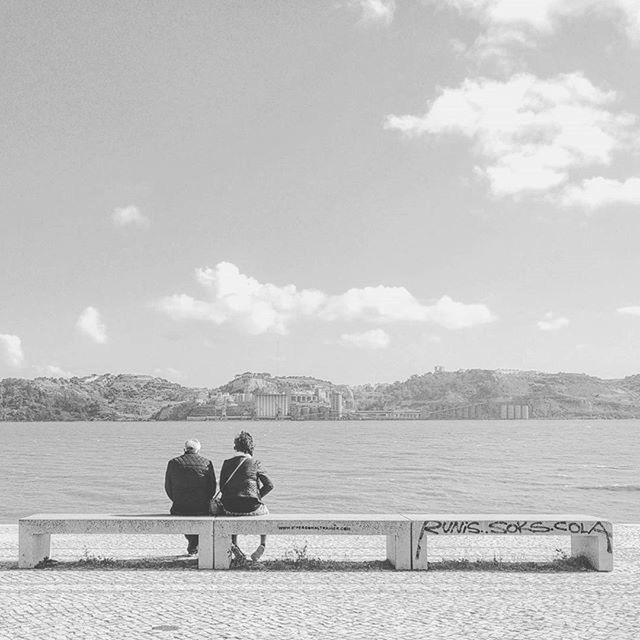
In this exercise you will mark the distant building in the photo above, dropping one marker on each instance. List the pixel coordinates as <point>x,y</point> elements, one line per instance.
<point>271,405</point>
<point>242,397</point>
<point>438,369</point>
<point>336,404</point>
<point>303,397</point>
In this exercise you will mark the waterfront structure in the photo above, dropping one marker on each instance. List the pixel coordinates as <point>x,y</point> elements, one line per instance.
<point>271,406</point>
<point>336,404</point>
<point>514,412</point>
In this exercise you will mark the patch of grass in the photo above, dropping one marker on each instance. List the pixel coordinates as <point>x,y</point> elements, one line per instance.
<point>561,563</point>
<point>46,562</point>
<point>314,564</point>
<point>90,561</point>
<point>298,559</point>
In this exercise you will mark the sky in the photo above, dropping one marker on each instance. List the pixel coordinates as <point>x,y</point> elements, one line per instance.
<point>357,190</point>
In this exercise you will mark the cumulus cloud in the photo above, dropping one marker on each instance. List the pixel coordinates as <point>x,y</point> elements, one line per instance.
<point>233,297</point>
<point>267,308</point>
<point>11,350</point>
<point>129,216</point>
<point>527,133</point>
<point>379,12</point>
<point>595,193</point>
<point>552,322</point>
<point>91,325</point>
<point>629,311</point>
<point>372,339</point>
<point>545,16</point>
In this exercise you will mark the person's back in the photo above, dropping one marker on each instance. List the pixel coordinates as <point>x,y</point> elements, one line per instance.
<point>244,483</point>
<point>190,483</point>
<point>243,489</point>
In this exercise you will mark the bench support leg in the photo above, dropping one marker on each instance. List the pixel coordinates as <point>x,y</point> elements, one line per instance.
<point>33,548</point>
<point>221,551</point>
<point>205,550</point>
<point>597,549</point>
<point>418,546</point>
<point>399,549</point>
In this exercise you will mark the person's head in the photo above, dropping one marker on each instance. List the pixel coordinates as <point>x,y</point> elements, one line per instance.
<point>243,443</point>
<point>192,446</point>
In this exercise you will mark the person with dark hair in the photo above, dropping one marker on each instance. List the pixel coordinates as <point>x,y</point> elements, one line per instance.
<point>190,483</point>
<point>244,483</point>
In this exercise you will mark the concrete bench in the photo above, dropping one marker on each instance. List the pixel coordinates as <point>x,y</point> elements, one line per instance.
<point>407,535</point>
<point>590,537</point>
<point>34,532</point>
<point>396,528</point>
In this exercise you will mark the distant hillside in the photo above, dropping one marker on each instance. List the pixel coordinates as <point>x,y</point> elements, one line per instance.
<point>139,397</point>
<point>549,395</point>
<point>98,397</point>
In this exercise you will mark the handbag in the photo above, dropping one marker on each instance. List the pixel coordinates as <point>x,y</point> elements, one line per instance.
<point>216,507</point>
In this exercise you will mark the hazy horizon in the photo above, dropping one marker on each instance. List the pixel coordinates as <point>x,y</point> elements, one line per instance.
<point>357,189</point>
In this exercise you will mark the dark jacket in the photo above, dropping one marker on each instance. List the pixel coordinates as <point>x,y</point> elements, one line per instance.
<point>190,483</point>
<point>243,493</point>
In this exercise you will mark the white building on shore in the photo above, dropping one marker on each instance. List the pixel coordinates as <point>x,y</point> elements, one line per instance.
<point>271,405</point>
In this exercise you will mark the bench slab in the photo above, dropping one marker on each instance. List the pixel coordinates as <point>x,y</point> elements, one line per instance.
<point>395,527</point>
<point>407,534</point>
<point>590,536</point>
<point>34,532</point>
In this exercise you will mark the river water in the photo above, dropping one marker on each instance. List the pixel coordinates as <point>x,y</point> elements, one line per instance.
<point>588,467</point>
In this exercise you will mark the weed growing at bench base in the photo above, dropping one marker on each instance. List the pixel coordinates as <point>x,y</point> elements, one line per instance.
<point>565,563</point>
<point>298,559</point>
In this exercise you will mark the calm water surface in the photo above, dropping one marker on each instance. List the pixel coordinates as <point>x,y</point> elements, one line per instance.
<point>588,467</point>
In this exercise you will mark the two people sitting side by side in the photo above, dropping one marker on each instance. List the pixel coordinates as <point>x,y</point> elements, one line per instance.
<point>243,483</point>
<point>190,483</point>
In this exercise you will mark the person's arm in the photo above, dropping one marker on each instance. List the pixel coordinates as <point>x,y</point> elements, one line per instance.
<point>167,481</point>
<point>211,477</point>
<point>265,482</point>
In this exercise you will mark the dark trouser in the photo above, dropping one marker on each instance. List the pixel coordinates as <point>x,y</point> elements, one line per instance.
<point>192,539</point>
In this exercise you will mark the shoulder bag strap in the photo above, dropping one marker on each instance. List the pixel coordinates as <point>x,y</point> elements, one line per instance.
<point>231,476</point>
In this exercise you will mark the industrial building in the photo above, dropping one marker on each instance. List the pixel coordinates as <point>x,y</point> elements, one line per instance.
<point>271,406</point>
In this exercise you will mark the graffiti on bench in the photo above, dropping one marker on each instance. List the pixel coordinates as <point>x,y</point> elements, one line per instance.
<point>474,527</point>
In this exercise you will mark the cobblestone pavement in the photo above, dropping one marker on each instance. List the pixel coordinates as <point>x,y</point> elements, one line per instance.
<point>174,600</point>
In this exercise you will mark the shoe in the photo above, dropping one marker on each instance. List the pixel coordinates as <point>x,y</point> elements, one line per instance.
<point>192,551</point>
<point>257,554</point>
<point>238,553</point>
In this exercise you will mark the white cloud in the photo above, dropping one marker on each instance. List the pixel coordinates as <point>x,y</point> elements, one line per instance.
<point>528,134</point>
<point>267,308</point>
<point>11,349</point>
<point>129,216</point>
<point>595,193</point>
<point>544,16</point>
<point>52,371</point>
<point>255,307</point>
<point>552,322</point>
<point>395,304</point>
<point>629,311</point>
<point>375,11</point>
<point>373,339</point>
<point>91,324</point>
<point>457,315</point>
